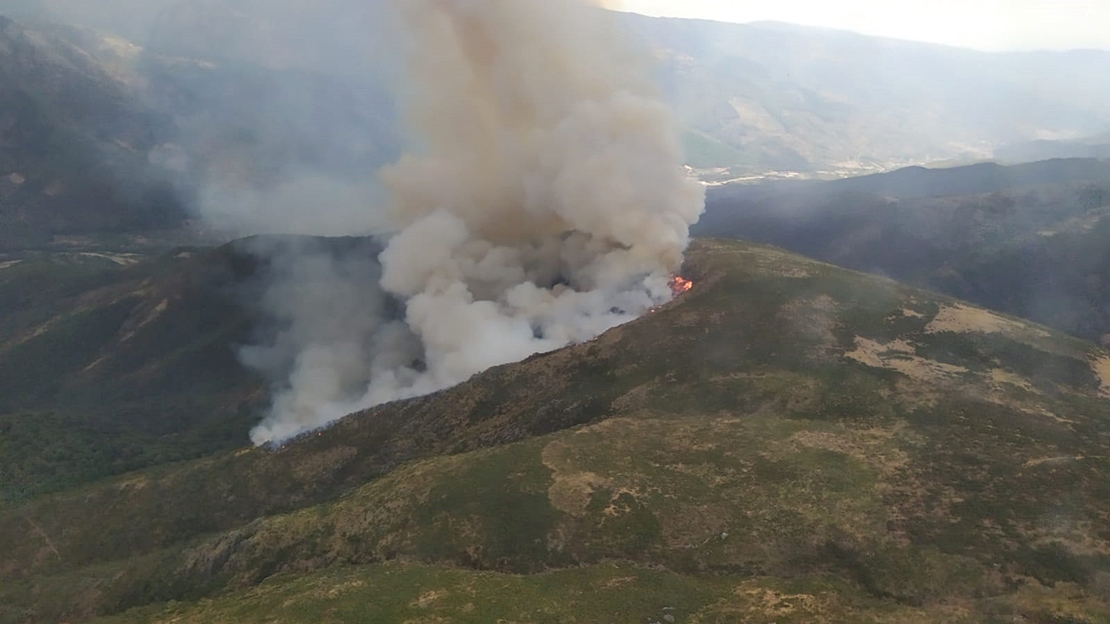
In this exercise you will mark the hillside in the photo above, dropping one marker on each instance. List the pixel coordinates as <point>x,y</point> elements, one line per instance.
<point>111,362</point>
<point>789,441</point>
<point>1030,240</point>
<point>100,137</point>
<point>73,143</point>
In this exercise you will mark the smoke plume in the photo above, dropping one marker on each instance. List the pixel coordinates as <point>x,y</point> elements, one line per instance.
<point>541,202</point>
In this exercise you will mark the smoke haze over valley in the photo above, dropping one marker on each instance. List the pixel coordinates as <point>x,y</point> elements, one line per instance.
<point>534,310</point>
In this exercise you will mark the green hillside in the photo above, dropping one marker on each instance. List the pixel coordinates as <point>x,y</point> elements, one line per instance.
<point>789,441</point>
<point>110,362</point>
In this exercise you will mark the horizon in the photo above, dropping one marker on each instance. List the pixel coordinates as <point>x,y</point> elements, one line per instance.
<point>989,26</point>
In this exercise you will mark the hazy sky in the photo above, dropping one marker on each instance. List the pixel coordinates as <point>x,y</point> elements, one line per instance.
<point>982,24</point>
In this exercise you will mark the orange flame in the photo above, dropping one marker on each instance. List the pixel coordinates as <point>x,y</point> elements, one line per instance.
<point>680,285</point>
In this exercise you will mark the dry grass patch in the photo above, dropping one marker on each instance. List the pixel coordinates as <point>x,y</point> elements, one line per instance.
<point>1101,366</point>
<point>1001,378</point>
<point>900,356</point>
<point>960,318</point>
<point>571,490</point>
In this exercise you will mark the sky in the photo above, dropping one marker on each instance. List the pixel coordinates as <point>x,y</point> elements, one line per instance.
<point>980,24</point>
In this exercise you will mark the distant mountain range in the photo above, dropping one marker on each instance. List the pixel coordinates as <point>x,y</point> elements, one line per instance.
<point>804,99</point>
<point>1097,146</point>
<point>73,142</point>
<point>754,98</point>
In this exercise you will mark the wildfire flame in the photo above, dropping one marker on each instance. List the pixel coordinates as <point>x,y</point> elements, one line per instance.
<point>680,285</point>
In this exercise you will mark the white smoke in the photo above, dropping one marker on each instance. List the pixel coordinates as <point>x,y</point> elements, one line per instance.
<point>543,203</point>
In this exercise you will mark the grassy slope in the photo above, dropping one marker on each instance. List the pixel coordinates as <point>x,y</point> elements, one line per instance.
<point>107,368</point>
<point>788,442</point>
<point>598,593</point>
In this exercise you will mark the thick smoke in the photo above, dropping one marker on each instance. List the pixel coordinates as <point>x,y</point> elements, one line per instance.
<point>542,202</point>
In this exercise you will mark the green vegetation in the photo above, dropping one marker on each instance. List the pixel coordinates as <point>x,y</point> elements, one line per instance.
<point>599,593</point>
<point>114,362</point>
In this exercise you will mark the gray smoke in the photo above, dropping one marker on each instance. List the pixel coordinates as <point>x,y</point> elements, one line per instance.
<point>542,201</point>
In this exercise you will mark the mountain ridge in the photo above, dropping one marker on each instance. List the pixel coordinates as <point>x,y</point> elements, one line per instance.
<point>1026,239</point>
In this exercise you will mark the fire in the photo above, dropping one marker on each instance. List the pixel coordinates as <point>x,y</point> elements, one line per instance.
<point>680,285</point>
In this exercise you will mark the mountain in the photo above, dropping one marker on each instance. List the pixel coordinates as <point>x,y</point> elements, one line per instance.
<point>791,98</point>
<point>754,98</point>
<point>332,37</point>
<point>788,441</point>
<point>1031,240</point>
<point>73,143</point>
<point>1087,147</point>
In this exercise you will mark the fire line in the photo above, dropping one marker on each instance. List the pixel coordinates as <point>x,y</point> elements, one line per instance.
<point>680,285</point>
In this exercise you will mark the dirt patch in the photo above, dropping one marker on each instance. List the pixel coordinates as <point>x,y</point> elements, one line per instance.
<point>427,599</point>
<point>1054,461</point>
<point>618,507</point>
<point>633,400</point>
<point>570,493</point>
<point>904,313</point>
<point>97,362</point>
<point>961,319</point>
<point>1101,367</point>
<point>616,582</point>
<point>120,259</point>
<point>334,591</point>
<point>571,489</point>
<point>900,356</point>
<point>150,317</point>
<point>773,604</point>
<point>795,273</point>
<point>1025,406</point>
<point>1000,377</point>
